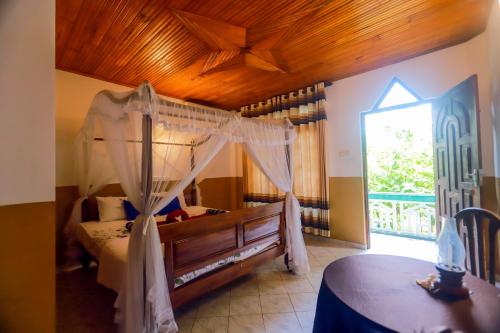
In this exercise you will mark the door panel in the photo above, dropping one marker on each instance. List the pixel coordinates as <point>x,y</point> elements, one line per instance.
<point>457,156</point>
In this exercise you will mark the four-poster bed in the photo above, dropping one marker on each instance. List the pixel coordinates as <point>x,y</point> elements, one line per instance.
<point>152,175</point>
<point>192,246</point>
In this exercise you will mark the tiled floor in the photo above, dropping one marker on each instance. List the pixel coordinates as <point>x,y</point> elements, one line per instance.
<point>268,300</point>
<point>401,246</point>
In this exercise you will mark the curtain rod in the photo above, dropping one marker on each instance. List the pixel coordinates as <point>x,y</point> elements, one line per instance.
<point>162,101</point>
<point>155,142</point>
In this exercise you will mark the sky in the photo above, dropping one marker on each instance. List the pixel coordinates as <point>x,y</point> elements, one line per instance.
<point>418,119</point>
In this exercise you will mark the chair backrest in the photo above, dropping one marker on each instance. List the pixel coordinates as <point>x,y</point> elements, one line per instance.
<point>471,224</point>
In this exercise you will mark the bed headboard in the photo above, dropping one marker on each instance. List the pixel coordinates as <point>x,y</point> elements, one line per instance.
<point>89,205</point>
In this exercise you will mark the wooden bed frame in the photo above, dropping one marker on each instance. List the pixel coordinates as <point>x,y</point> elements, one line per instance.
<point>193,244</point>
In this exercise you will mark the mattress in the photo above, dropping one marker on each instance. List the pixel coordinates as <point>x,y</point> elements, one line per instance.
<point>93,235</point>
<point>108,243</point>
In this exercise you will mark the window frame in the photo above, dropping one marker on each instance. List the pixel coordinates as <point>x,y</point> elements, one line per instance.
<point>387,89</point>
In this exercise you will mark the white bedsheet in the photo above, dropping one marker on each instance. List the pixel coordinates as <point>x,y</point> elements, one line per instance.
<point>94,234</point>
<point>108,243</point>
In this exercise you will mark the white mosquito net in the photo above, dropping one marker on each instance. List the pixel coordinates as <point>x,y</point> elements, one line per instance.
<point>155,148</point>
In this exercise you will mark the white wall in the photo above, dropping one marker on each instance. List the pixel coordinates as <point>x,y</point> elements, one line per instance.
<point>74,94</point>
<point>493,33</point>
<point>429,76</point>
<point>27,127</point>
<point>227,163</point>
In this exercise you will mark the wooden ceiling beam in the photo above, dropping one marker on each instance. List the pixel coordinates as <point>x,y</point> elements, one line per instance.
<point>217,34</point>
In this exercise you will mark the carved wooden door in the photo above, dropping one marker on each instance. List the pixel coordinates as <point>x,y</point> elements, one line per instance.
<point>457,155</point>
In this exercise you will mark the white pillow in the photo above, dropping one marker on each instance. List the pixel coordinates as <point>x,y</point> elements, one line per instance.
<point>111,208</point>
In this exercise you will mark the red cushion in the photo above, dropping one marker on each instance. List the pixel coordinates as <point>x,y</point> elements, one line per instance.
<point>172,216</point>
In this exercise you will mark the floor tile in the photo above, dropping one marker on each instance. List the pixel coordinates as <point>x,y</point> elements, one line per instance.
<point>276,303</point>
<point>184,324</point>
<point>298,286</point>
<point>327,260</point>
<point>245,288</point>
<point>213,307</point>
<point>187,311</point>
<point>280,264</point>
<point>315,283</point>
<point>211,325</point>
<point>224,291</point>
<point>269,275</point>
<point>244,305</point>
<point>306,320</point>
<point>269,299</point>
<point>271,287</point>
<point>89,328</point>
<point>304,301</point>
<point>316,267</point>
<point>266,267</point>
<point>246,324</point>
<point>415,248</point>
<point>281,323</point>
<point>290,276</point>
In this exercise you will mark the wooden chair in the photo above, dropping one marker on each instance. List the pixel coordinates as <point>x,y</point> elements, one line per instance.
<point>471,224</point>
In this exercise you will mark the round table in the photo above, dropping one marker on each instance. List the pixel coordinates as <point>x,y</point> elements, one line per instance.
<point>378,293</point>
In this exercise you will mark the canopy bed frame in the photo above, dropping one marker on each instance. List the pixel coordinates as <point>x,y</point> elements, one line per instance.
<point>155,148</point>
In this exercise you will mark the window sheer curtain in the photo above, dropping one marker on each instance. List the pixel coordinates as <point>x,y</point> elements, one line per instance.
<point>305,108</point>
<point>148,143</point>
<point>94,172</point>
<point>267,158</point>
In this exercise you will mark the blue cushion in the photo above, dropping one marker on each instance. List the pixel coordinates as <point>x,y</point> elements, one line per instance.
<point>130,210</point>
<point>132,213</point>
<point>172,206</point>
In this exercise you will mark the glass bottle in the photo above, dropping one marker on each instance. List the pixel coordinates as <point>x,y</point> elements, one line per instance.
<point>451,250</point>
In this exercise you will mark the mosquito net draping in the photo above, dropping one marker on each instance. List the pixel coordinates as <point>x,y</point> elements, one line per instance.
<point>155,148</point>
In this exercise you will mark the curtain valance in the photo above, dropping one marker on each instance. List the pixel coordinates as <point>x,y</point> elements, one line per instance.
<point>300,107</point>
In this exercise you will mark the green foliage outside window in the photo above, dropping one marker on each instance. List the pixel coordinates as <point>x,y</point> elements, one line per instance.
<point>405,166</point>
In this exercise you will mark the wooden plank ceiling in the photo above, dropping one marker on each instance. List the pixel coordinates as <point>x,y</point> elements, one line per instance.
<point>231,53</point>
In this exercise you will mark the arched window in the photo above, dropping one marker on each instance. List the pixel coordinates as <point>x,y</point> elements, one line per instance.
<point>396,94</point>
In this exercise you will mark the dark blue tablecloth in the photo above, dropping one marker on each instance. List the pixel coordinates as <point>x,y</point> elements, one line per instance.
<point>378,293</point>
<point>332,315</point>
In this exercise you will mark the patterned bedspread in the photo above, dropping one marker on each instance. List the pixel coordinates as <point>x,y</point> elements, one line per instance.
<point>108,242</point>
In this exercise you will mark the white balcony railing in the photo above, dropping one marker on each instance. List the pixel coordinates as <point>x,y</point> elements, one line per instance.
<point>403,214</point>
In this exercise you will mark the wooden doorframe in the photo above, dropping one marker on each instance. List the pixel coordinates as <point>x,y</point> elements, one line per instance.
<point>363,147</point>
